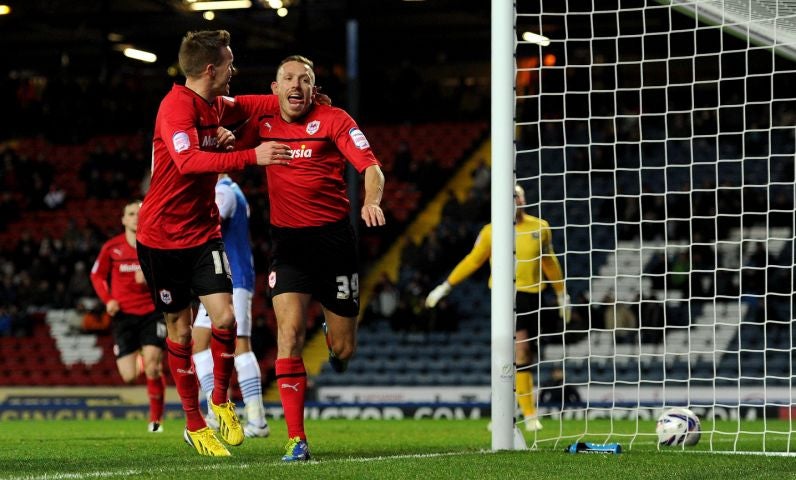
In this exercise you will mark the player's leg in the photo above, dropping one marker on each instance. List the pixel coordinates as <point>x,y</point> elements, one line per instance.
<point>126,347</point>
<point>168,274</point>
<point>152,335</point>
<point>155,386</point>
<point>341,338</point>
<point>524,381</point>
<point>178,345</point>
<point>525,338</point>
<point>203,360</point>
<point>249,375</point>
<point>212,283</point>
<point>222,346</point>
<point>337,288</point>
<point>128,367</point>
<point>291,377</point>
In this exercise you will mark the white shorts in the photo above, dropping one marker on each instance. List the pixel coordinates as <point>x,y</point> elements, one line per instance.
<point>242,302</point>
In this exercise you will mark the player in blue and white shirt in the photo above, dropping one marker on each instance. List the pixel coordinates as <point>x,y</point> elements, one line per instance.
<point>234,212</point>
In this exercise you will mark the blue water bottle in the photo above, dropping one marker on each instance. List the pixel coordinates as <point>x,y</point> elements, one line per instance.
<point>588,447</point>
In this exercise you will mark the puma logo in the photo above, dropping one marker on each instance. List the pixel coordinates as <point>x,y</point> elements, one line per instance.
<point>287,385</point>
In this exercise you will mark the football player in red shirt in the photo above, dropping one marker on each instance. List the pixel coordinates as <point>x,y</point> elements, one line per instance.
<point>139,332</point>
<point>179,235</point>
<point>315,249</point>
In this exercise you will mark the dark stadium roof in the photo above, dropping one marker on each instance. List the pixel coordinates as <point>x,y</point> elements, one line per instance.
<point>45,35</point>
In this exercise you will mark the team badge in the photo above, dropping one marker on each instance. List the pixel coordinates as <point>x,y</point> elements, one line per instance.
<point>180,141</point>
<point>535,235</point>
<point>272,279</point>
<point>313,126</point>
<point>165,296</point>
<point>359,138</point>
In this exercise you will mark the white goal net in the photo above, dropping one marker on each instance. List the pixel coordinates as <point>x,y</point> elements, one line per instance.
<point>657,139</point>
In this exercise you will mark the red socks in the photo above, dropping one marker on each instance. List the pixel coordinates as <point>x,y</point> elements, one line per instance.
<point>185,379</point>
<point>222,346</point>
<point>156,390</point>
<point>292,380</point>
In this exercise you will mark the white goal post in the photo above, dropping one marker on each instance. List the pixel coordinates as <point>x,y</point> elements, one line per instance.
<point>658,140</point>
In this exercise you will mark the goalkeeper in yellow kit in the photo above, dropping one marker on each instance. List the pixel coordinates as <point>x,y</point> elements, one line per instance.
<point>535,258</point>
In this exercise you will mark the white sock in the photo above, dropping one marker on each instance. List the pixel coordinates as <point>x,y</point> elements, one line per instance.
<point>203,363</point>
<point>250,380</point>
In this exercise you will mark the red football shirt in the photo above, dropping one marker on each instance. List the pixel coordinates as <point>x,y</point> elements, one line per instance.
<point>113,277</point>
<point>311,191</point>
<point>179,210</point>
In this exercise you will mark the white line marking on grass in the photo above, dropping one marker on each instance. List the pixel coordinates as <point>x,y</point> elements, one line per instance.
<point>241,466</point>
<point>759,454</point>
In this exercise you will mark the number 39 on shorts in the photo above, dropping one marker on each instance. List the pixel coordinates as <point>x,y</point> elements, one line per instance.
<point>347,286</point>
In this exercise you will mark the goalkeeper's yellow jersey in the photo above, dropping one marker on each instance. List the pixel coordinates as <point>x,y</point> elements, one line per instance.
<point>535,256</point>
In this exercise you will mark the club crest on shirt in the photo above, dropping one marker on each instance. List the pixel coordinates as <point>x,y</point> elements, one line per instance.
<point>165,296</point>
<point>536,235</point>
<point>313,126</point>
<point>359,138</point>
<point>181,141</point>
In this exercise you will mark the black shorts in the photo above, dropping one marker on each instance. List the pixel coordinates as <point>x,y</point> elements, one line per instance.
<point>177,277</point>
<point>321,261</point>
<point>131,332</point>
<point>528,313</point>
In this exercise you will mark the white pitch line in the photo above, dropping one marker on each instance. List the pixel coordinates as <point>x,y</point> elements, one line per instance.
<point>221,466</point>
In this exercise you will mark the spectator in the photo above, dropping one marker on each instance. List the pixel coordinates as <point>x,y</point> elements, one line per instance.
<point>385,300</point>
<point>55,197</point>
<point>620,318</point>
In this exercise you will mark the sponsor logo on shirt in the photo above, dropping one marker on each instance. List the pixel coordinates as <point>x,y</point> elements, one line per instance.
<point>313,126</point>
<point>181,142</point>
<point>129,267</point>
<point>302,152</point>
<point>272,279</point>
<point>268,124</point>
<point>208,141</point>
<point>359,138</point>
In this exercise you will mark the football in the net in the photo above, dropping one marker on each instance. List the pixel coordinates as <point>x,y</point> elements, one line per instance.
<point>678,426</point>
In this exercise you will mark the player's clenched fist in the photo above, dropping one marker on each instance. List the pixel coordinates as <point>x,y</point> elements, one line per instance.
<point>272,153</point>
<point>225,139</point>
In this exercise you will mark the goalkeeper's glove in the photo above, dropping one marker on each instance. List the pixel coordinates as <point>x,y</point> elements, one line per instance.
<point>564,308</point>
<point>436,295</point>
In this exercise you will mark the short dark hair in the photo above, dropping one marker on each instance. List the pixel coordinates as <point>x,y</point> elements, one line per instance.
<point>134,201</point>
<point>198,49</point>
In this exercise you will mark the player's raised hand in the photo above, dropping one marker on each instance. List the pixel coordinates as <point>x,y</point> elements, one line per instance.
<point>225,139</point>
<point>373,215</point>
<point>272,153</point>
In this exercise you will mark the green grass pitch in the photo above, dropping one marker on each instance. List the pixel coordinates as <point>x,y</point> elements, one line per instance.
<point>378,449</point>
